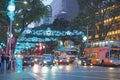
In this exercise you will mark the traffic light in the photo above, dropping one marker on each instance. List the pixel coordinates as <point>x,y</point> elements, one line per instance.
<point>40,47</point>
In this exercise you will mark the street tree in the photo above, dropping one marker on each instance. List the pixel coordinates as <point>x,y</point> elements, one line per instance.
<point>60,24</point>
<point>24,14</point>
<point>4,22</point>
<point>33,11</point>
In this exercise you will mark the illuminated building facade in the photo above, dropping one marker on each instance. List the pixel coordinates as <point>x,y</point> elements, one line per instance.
<point>110,12</point>
<point>113,20</point>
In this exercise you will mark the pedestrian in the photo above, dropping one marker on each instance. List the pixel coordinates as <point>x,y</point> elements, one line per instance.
<point>7,62</point>
<point>102,62</point>
<point>2,62</point>
<point>76,61</point>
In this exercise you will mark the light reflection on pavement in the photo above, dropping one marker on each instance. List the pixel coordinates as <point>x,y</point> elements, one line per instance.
<point>71,72</point>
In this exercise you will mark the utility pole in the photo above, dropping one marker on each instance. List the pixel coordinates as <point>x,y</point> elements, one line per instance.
<point>11,9</point>
<point>87,34</point>
<point>87,31</point>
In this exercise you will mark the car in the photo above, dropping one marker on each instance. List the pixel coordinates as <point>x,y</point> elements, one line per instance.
<point>63,60</point>
<point>48,60</point>
<point>84,61</point>
<point>72,59</point>
<point>38,60</point>
<point>28,60</point>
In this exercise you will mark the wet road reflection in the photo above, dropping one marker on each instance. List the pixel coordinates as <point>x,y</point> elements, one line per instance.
<point>71,72</point>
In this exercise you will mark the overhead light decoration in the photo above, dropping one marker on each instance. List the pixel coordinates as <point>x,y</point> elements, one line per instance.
<point>47,35</point>
<point>68,33</point>
<point>48,32</point>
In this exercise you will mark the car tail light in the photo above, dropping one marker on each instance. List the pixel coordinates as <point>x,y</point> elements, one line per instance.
<point>36,60</point>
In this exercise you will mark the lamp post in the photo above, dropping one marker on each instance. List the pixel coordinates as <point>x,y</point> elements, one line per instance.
<point>11,9</point>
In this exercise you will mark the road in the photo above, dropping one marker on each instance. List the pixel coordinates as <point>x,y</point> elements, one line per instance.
<point>72,72</point>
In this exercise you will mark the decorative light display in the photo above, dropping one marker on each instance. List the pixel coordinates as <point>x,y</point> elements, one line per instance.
<point>48,32</point>
<point>2,45</point>
<point>37,36</point>
<point>68,33</point>
<point>17,30</point>
<point>54,33</point>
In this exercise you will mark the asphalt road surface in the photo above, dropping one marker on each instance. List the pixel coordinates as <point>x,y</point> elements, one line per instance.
<point>73,72</point>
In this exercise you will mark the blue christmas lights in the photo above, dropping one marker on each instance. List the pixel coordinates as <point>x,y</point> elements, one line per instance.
<point>47,35</point>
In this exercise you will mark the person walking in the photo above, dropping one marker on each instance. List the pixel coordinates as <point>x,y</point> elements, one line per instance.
<point>0,62</point>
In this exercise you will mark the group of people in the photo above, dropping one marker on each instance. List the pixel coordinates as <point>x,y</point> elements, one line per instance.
<point>4,62</point>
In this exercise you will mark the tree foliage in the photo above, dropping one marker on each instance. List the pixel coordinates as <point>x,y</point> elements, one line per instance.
<point>61,24</point>
<point>24,14</point>
<point>31,12</point>
<point>4,21</point>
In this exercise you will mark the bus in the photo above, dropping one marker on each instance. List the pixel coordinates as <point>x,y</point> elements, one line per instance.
<point>103,52</point>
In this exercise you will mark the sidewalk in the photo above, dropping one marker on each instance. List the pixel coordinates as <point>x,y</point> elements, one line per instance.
<point>16,76</point>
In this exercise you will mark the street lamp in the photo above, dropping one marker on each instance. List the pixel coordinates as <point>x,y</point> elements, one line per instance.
<point>11,9</point>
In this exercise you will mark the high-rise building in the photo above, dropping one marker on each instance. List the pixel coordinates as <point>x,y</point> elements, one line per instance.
<point>66,9</point>
<point>108,21</point>
<point>112,19</point>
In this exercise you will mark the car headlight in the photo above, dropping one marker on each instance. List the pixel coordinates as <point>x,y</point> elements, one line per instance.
<point>45,61</point>
<point>91,64</point>
<point>67,60</point>
<point>85,64</point>
<point>35,60</point>
<point>111,61</point>
<point>60,60</point>
<point>25,61</point>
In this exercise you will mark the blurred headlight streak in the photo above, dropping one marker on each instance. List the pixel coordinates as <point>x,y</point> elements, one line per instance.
<point>36,68</point>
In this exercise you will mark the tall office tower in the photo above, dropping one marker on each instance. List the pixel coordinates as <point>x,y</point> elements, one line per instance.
<point>66,9</point>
